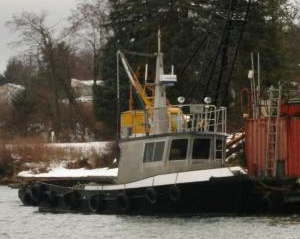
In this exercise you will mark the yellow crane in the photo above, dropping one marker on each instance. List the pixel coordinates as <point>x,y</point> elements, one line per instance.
<point>138,122</point>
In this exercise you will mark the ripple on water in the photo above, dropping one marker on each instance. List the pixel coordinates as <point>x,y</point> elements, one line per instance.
<point>18,222</point>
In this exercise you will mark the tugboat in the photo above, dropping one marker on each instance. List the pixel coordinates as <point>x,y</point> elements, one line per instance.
<point>171,161</point>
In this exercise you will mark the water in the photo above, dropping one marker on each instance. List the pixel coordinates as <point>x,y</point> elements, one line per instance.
<point>19,222</point>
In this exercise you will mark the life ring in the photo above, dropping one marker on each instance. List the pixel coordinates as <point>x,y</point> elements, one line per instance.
<point>51,198</point>
<point>151,195</point>
<point>174,193</point>
<point>72,200</point>
<point>95,203</point>
<point>124,202</point>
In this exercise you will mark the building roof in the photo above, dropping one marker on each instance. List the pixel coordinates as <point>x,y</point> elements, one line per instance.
<point>8,91</point>
<point>83,83</point>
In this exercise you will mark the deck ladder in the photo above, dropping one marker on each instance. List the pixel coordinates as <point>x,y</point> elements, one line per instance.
<point>272,131</point>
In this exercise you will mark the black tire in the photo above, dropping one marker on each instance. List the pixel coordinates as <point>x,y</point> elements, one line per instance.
<point>174,194</point>
<point>21,193</point>
<point>72,200</point>
<point>124,202</point>
<point>96,203</point>
<point>275,202</point>
<point>51,198</point>
<point>27,198</point>
<point>38,192</point>
<point>151,196</point>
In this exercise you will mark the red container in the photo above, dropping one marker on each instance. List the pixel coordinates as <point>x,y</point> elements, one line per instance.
<point>290,109</point>
<point>293,147</point>
<point>256,146</point>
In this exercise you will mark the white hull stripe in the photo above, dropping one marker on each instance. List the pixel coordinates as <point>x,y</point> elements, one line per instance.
<point>172,178</point>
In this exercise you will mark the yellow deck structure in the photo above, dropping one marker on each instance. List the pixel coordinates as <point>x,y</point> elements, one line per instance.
<point>138,122</point>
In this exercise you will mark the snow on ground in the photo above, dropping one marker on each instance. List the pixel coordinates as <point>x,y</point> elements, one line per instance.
<point>97,147</point>
<point>61,172</point>
<point>86,149</point>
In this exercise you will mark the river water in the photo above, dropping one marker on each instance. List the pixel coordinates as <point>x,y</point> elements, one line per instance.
<point>19,222</point>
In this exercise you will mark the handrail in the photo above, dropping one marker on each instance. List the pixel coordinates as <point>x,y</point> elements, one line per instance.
<point>183,118</point>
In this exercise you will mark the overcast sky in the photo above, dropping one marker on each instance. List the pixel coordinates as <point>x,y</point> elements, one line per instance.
<point>58,10</point>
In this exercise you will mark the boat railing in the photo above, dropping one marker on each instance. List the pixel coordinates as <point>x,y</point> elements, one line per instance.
<point>292,96</point>
<point>205,118</point>
<point>176,119</point>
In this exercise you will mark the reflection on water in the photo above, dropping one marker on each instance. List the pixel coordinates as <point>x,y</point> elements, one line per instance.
<point>18,222</point>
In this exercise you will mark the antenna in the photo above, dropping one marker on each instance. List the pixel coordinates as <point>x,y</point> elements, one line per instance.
<point>258,77</point>
<point>146,73</point>
<point>118,135</point>
<point>159,41</point>
<point>253,86</point>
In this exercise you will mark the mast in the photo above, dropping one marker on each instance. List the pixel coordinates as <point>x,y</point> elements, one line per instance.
<point>118,135</point>
<point>160,115</point>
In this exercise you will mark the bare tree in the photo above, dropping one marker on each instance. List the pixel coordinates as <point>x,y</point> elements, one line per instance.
<point>88,23</point>
<point>36,35</point>
<point>54,60</point>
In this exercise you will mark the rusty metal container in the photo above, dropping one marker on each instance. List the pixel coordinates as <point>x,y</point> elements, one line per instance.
<point>288,144</point>
<point>290,109</point>
<point>293,147</point>
<point>255,145</point>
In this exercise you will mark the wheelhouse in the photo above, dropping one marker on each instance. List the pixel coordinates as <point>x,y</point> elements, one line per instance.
<point>195,140</point>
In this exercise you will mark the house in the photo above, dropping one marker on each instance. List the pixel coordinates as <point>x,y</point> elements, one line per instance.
<point>8,91</point>
<point>84,89</point>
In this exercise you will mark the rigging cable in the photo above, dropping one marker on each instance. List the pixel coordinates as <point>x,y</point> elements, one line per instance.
<point>214,62</point>
<point>224,58</point>
<point>227,83</point>
<point>202,73</point>
<point>193,56</point>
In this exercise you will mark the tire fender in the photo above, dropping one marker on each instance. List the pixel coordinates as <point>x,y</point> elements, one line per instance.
<point>151,195</point>
<point>38,192</point>
<point>95,203</point>
<point>51,198</point>
<point>174,193</point>
<point>27,198</point>
<point>124,202</point>
<point>72,199</point>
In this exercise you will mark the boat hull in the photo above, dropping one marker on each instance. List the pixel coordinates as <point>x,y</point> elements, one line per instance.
<point>228,195</point>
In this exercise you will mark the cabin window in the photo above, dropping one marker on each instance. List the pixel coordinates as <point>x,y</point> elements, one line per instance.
<point>148,153</point>
<point>154,151</point>
<point>219,149</point>
<point>201,149</point>
<point>159,151</point>
<point>178,149</point>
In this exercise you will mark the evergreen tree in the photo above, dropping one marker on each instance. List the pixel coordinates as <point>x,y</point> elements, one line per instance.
<point>272,32</point>
<point>201,42</point>
<point>184,26</point>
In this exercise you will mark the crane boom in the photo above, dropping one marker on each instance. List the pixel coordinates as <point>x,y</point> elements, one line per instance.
<point>135,82</point>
